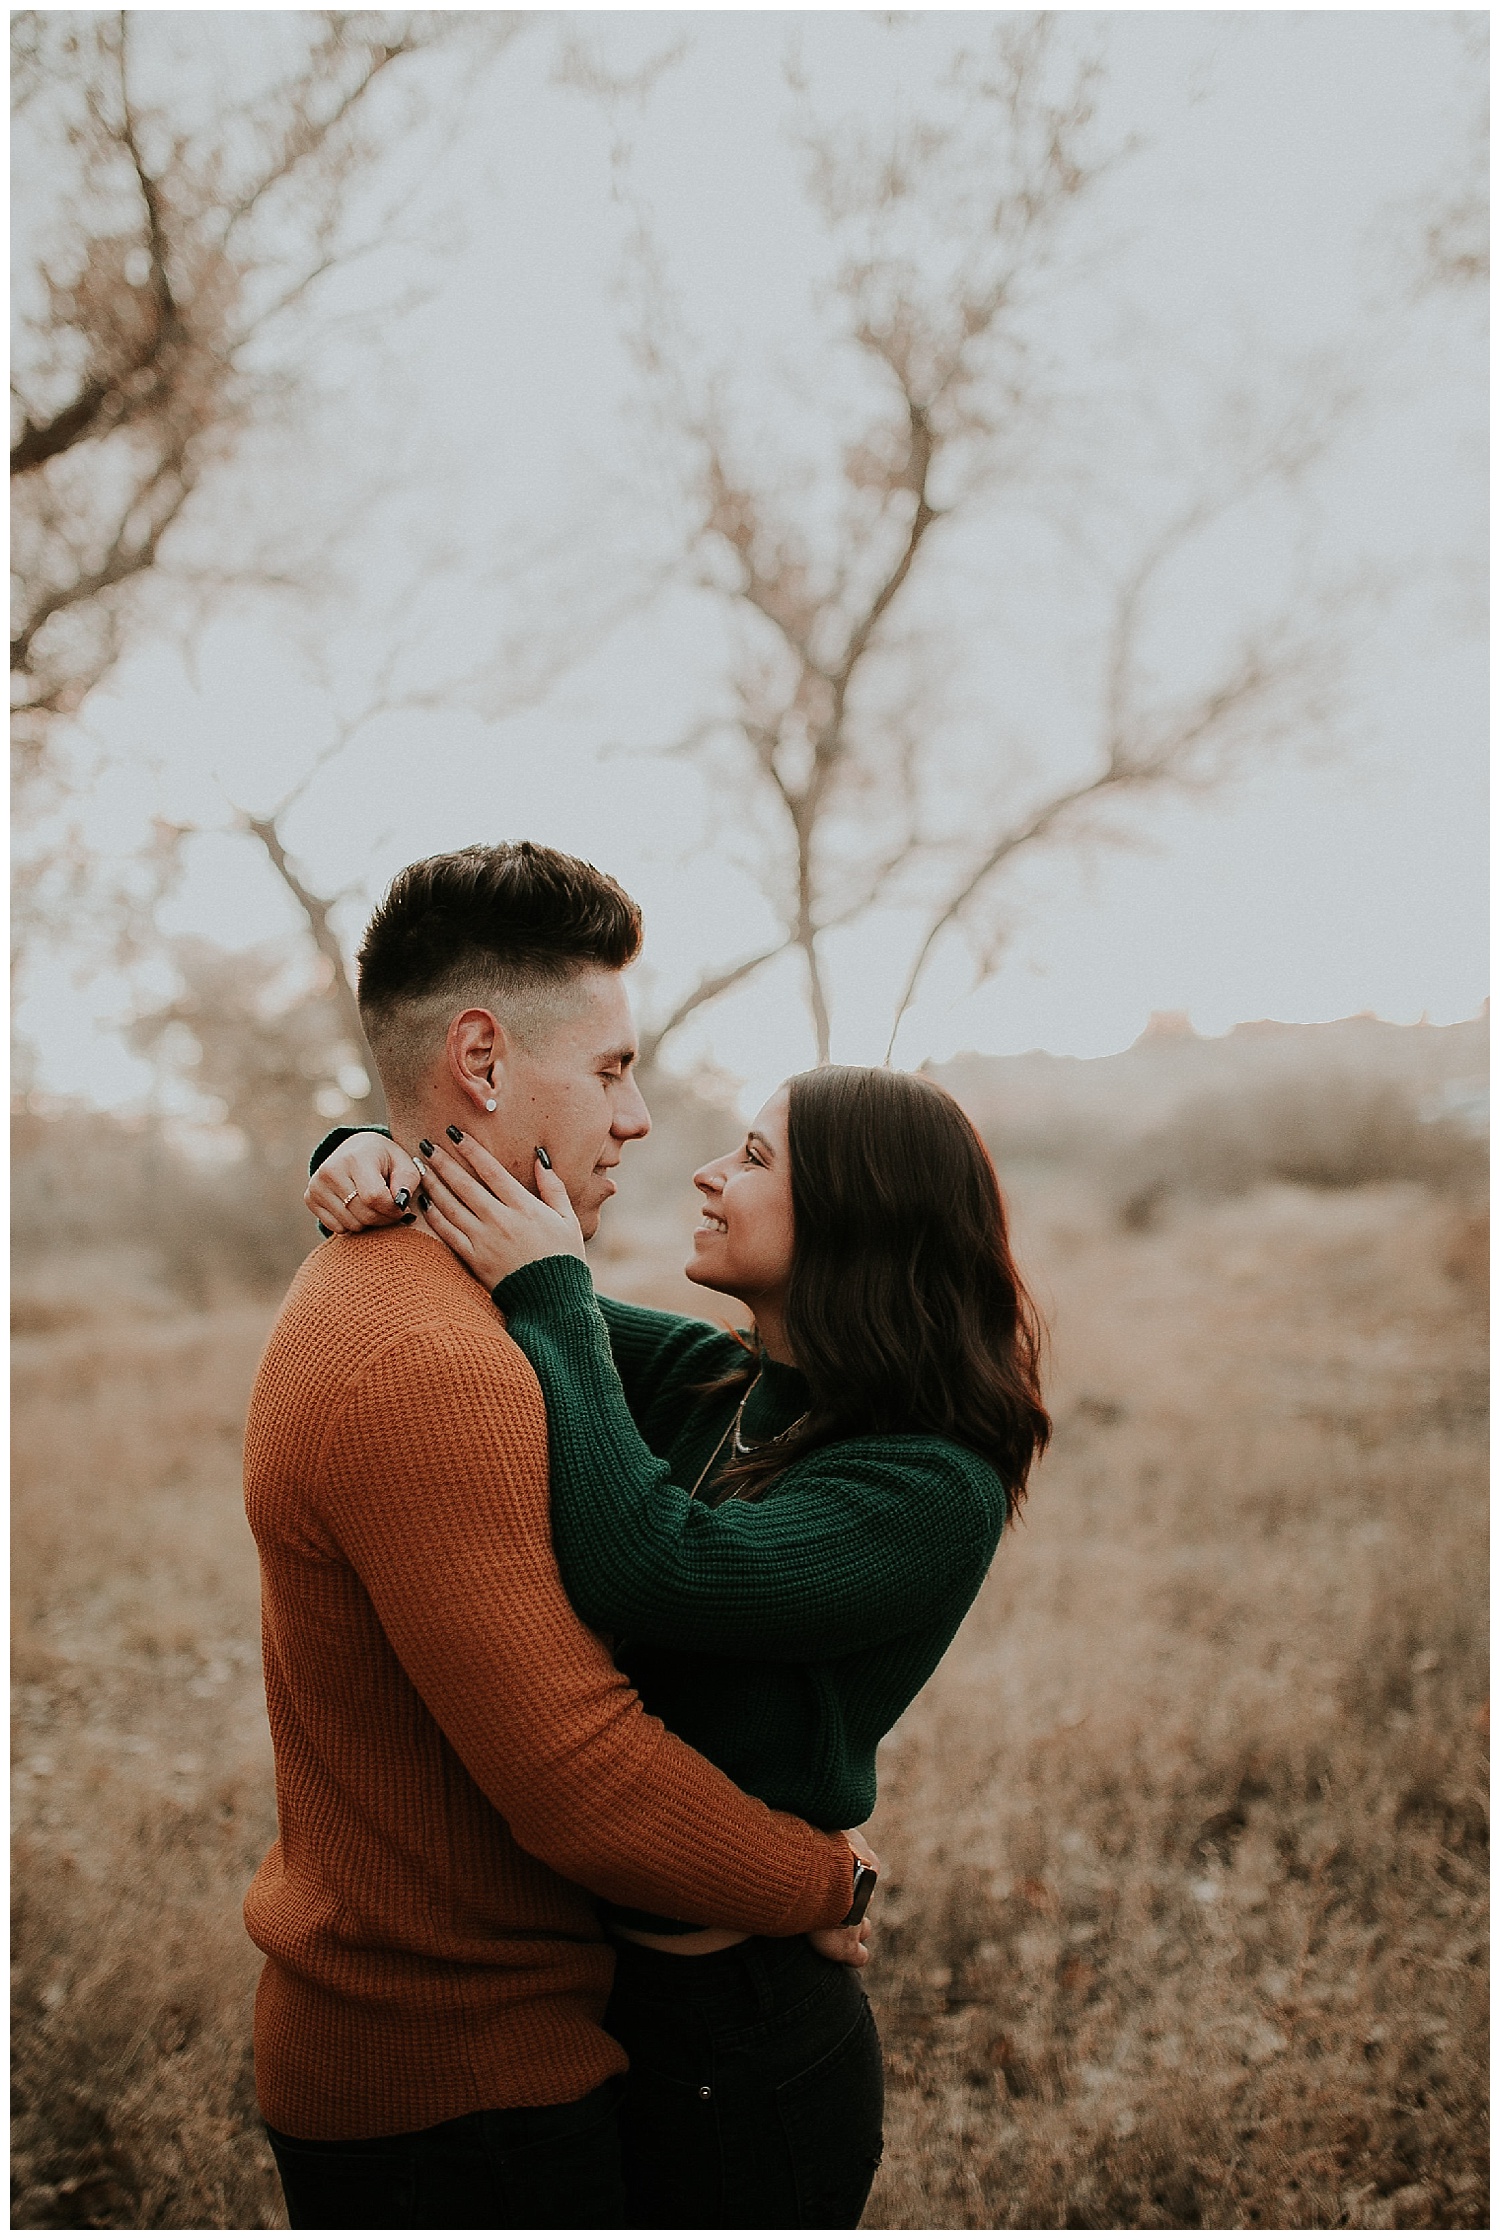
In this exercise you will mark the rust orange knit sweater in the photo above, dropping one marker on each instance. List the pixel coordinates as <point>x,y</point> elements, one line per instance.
<point>458,1762</point>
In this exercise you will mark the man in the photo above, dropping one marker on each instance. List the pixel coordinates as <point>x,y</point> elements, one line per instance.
<point>458,1762</point>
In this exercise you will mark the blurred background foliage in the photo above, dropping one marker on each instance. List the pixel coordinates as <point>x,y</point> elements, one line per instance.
<point>208,1203</point>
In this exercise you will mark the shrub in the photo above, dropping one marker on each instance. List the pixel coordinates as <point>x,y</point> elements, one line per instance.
<point>1325,1131</point>
<point>93,1185</point>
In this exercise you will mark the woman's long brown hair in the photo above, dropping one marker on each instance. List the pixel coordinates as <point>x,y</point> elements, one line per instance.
<point>905,1311</point>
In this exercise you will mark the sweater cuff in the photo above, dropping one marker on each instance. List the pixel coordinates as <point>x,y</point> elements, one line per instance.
<point>544,1287</point>
<point>336,1136</point>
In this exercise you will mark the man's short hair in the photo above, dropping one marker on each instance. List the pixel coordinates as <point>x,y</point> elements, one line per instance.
<point>505,928</point>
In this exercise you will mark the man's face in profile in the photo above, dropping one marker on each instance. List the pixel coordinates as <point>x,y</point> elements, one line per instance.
<point>571,1088</point>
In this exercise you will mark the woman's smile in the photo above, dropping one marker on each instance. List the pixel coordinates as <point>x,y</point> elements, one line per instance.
<point>754,1182</point>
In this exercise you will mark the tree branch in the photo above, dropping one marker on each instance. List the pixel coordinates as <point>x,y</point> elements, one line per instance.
<point>160,378</point>
<point>126,557</point>
<point>1150,764</point>
<point>713,985</point>
<point>42,440</point>
<point>317,913</point>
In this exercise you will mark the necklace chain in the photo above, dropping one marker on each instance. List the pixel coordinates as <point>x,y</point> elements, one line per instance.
<point>740,1447</point>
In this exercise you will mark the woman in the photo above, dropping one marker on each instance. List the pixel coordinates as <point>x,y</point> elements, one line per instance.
<point>783,1535</point>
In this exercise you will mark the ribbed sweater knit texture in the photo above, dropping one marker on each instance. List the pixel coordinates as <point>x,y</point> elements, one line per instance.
<point>783,1636</point>
<point>458,1760</point>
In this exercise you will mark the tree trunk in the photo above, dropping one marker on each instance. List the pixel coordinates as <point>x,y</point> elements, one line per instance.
<point>816,999</point>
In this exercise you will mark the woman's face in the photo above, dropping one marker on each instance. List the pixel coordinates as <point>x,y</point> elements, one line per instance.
<point>743,1241</point>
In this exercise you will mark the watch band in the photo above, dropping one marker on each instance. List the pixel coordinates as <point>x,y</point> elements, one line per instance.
<point>865,1879</point>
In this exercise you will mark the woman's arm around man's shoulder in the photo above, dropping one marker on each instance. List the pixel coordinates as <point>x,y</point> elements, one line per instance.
<point>664,1360</point>
<point>867,1537</point>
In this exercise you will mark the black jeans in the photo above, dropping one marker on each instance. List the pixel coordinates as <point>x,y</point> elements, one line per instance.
<point>755,2093</point>
<point>544,2168</point>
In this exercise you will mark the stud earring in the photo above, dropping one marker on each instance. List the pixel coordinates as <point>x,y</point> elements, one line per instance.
<point>489,1104</point>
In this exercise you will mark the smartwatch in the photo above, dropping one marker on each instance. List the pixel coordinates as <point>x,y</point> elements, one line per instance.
<point>865,1879</point>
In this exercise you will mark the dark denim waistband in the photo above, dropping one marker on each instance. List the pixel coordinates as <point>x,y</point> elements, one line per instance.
<point>738,1984</point>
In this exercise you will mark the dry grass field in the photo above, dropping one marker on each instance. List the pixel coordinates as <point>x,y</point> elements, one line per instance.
<point>1190,1829</point>
<point>1185,1914</point>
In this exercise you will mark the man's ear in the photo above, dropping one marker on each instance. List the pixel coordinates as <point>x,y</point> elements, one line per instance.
<point>478,1048</point>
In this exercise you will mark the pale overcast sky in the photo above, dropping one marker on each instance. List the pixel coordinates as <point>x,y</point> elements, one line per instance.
<point>1271,213</point>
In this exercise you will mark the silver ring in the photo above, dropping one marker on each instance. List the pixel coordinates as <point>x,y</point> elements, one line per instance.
<point>346,1202</point>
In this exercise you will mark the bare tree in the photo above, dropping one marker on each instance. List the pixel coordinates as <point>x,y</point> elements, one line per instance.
<point>954,235</point>
<point>174,233</point>
<point>172,246</point>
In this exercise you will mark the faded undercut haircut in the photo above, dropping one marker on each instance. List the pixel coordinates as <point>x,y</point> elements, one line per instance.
<point>503,928</point>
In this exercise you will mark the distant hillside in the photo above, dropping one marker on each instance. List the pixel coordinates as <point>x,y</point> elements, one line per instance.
<point>1040,1106</point>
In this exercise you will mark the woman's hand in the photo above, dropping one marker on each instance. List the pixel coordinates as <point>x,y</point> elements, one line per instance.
<point>495,1225</point>
<point>367,1183</point>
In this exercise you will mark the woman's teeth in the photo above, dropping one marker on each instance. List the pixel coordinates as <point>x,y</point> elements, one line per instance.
<point>710,1224</point>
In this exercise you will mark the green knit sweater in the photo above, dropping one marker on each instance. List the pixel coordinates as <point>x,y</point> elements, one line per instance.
<point>781,1637</point>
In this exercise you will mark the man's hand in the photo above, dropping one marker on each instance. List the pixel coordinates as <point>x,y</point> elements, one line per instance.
<point>851,1946</point>
<point>367,1183</point>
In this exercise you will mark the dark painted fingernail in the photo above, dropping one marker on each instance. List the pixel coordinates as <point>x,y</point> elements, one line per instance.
<point>425,1148</point>
<point>544,1160</point>
<point>423,1200</point>
<point>457,1134</point>
<point>403,1199</point>
<point>407,1219</point>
